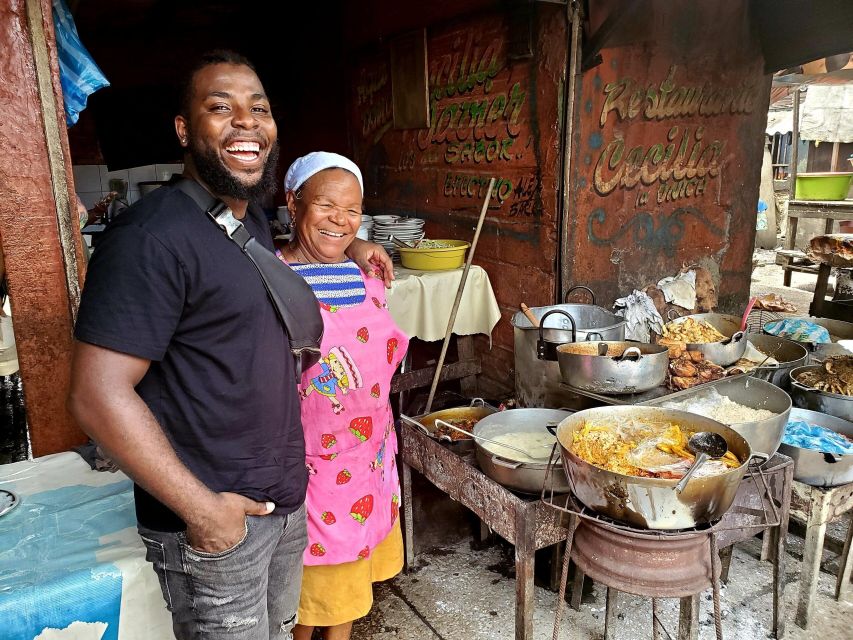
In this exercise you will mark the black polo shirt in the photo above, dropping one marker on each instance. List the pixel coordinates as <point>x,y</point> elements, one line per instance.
<point>167,285</point>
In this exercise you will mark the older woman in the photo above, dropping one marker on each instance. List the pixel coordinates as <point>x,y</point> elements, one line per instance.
<point>353,499</point>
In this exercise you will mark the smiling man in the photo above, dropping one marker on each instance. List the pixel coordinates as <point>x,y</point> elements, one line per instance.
<point>181,373</point>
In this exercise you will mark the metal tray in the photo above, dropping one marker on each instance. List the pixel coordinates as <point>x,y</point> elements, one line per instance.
<point>659,392</point>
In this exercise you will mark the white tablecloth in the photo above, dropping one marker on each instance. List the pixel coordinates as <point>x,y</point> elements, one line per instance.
<point>420,303</point>
<point>71,563</point>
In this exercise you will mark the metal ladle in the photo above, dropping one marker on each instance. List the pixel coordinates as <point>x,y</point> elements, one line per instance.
<point>476,437</point>
<point>703,445</point>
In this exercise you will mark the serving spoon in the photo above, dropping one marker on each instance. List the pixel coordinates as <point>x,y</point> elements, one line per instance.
<point>400,243</point>
<point>703,445</point>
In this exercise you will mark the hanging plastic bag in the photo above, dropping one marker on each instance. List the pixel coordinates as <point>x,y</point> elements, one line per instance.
<point>79,75</point>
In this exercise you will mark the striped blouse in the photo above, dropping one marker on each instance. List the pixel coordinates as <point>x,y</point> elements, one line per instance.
<point>339,284</point>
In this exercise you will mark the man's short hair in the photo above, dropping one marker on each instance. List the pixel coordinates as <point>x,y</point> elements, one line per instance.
<point>217,56</point>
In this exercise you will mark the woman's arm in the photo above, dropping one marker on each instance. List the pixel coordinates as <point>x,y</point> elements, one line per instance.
<point>372,259</point>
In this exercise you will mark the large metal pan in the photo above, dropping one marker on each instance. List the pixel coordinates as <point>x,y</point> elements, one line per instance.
<point>477,410</point>
<point>517,471</point>
<point>805,397</point>
<point>815,467</point>
<point>651,502</point>
<point>724,352</point>
<point>625,367</point>
<point>788,353</point>
<point>763,436</point>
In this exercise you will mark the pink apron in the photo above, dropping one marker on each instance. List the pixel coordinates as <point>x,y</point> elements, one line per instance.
<point>353,488</point>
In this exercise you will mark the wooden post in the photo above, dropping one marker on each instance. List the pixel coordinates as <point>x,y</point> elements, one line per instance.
<point>38,226</point>
<point>574,25</point>
<point>408,525</point>
<point>833,165</point>
<point>525,553</point>
<point>611,610</point>
<point>726,562</point>
<point>688,618</point>
<point>845,564</point>
<point>795,144</point>
<point>815,532</point>
<point>577,588</point>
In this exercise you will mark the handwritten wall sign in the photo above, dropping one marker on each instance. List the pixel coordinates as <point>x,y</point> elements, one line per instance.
<point>681,165</point>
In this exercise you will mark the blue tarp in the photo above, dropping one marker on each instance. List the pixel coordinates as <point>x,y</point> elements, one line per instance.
<point>78,73</point>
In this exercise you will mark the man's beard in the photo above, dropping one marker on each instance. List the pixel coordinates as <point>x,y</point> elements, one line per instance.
<point>222,181</point>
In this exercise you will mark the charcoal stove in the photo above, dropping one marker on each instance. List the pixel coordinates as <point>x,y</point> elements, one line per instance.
<point>674,564</point>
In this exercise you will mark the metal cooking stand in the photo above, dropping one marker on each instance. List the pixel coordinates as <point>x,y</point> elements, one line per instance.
<point>741,522</point>
<point>525,522</point>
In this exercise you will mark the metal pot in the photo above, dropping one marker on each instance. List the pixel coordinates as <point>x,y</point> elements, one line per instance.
<point>815,467</point>
<point>763,436</point>
<point>838,330</point>
<point>788,353</point>
<point>626,367</point>
<point>651,502</point>
<point>516,471</point>
<point>724,352</point>
<point>477,410</point>
<point>806,397</point>
<point>538,382</point>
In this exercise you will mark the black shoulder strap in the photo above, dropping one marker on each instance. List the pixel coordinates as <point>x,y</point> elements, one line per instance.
<point>289,293</point>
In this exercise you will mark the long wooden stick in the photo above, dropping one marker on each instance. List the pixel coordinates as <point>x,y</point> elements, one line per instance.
<point>458,300</point>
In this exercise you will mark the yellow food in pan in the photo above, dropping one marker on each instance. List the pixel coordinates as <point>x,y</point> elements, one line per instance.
<point>624,449</point>
<point>691,331</point>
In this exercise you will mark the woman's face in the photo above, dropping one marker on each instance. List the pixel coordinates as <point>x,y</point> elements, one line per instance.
<point>327,215</point>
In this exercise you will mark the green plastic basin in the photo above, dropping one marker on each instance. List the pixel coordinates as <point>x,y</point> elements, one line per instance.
<point>823,186</point>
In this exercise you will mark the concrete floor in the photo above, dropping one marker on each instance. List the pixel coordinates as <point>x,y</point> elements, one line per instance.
<point>461,591</point>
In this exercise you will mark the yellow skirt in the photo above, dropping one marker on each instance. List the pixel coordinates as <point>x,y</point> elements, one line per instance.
<point>337,593</point>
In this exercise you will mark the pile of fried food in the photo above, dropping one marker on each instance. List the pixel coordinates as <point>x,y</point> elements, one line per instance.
<point>690,368</point>
<point>836,376</point>
<point>690,331</point>
<point>640,449</point>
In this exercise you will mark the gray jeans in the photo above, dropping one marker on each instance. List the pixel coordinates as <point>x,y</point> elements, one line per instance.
<point>248,592</point>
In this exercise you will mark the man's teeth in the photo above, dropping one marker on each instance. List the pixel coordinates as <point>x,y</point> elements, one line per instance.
<point>244,146</point>
<point>331,234</point>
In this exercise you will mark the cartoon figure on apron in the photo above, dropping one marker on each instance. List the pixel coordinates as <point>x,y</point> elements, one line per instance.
<point>379,461</point>
<point>338,374</point>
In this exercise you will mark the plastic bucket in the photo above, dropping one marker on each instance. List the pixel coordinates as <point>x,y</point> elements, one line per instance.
<point>823,186</point>
<point>451,257</point>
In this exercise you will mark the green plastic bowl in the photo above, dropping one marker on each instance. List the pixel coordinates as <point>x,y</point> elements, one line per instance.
<point>823,186</point>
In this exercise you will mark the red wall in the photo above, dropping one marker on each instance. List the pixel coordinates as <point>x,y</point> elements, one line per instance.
<point>490,116</point>
<point>668,154</point>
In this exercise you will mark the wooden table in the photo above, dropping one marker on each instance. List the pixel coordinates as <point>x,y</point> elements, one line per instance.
<point>820,306</point>
<point>527,523</point>
<point>828,210</point>
<point>412,300</point>
<point>816,507</point>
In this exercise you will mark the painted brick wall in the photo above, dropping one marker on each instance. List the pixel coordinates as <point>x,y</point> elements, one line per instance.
<point>490,116</point>
<point>669,152</point>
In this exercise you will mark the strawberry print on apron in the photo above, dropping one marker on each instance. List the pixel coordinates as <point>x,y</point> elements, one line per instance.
<point>353,488</point>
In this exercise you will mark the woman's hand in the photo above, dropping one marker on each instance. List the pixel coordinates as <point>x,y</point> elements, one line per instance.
<point>372,259</point>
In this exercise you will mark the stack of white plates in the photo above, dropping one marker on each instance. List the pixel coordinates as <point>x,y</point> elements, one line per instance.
<point>365,231</point>
<point>406,229</point>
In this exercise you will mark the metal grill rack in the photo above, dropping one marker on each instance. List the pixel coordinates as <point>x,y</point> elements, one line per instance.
<point>762,504</point>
